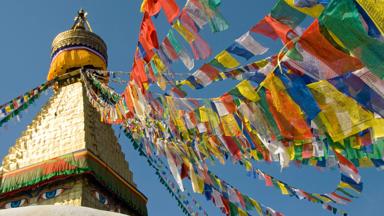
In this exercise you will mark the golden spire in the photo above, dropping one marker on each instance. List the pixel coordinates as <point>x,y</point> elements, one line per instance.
<point>76,48</point>
<point>81,21</point>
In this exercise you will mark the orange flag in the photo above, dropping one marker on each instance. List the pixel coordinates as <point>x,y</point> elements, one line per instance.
<point>152,7</point>
<point>148,35</point>
<point>170,9</point>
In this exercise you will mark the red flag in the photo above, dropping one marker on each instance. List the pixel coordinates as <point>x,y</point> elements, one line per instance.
<point>172,54</point>
<point>184,171</point>
<point>148,35</point>
<point>232,146</point>
<point>170,9</point>
<point>274,29</point>
<point>317,45</point>
<point>138,73</point>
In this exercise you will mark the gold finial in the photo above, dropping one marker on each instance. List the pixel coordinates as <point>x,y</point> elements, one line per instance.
<point>81,21</point>
<point>80,34</point>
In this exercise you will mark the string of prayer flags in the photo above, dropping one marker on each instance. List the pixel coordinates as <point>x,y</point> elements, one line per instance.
<point>229,124</point>
<point>16,106</point>
<point>308,104</point>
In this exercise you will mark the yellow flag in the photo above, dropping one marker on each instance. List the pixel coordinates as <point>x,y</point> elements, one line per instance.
<point>314,11</point>
<point>283,189</point>
<point>186,82</point>
<point>341,115</point>
<point>227,60</point>
<point>142,10</point>
<point>375,10</point>
<point>160,66</point>
<point>184,32</point>
<point>203,114</point>
<point>241,212</point>
<point>365,163</point>
<point>248,165</point>
<point>257,206</point>
<point>378,128</point>
<point>230,126</point>
<point>8,109</point>
<point>246,89</point>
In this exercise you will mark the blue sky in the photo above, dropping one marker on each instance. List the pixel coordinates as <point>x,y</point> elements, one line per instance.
<point>27,29</point>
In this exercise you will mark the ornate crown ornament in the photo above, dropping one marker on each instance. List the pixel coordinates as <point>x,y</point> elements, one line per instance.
<point>79,35</point>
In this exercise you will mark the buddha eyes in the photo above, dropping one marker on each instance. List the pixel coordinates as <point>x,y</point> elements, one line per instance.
<point>16,203</point>
<point>51,194</point>
<point>101,198</point>
<point>25,201</point>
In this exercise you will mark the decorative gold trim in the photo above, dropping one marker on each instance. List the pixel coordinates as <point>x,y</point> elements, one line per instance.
<point>79,37</point>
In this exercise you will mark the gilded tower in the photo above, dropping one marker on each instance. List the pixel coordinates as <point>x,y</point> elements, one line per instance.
<point>66,156</point>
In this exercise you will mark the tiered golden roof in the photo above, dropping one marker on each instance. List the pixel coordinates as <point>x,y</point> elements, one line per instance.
<point>76,48</point>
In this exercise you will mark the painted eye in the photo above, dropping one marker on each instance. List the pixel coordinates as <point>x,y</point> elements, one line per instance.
<point>16,203</point>
<point>52,194</point>
<point>102,199</point>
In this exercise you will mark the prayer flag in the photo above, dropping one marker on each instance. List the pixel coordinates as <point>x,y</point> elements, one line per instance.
<point>274,29</point>
<point>224,60</point>
<point>183,31</point>
<point>311,9</point>
<point>170,9</point>
<point>148,35</point>
<point>340,114</point>
<point>249,43</point>
<point>240,51</point>
<point>317,45</point>
<point>244,90</point>
<point>152,7</point>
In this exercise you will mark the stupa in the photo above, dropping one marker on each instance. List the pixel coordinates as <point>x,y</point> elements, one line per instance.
<point>66,156</point>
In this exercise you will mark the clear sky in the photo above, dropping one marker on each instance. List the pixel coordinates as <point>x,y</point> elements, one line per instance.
<point>27,29</point>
